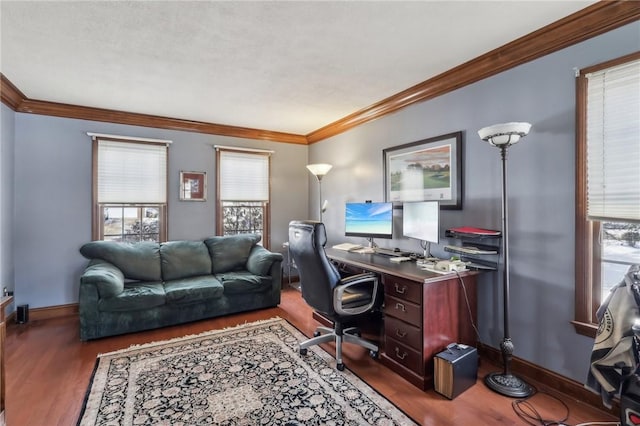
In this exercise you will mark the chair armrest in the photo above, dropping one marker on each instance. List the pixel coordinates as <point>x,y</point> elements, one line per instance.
<point>354,284</point>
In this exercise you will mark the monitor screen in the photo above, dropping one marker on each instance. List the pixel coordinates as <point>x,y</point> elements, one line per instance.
<point>421,220</point>
<point>370,220</point>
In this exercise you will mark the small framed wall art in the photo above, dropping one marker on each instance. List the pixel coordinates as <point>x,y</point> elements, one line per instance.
<point>193,186</point>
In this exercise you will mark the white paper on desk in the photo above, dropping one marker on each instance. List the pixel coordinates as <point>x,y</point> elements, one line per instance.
<point>364,250</point>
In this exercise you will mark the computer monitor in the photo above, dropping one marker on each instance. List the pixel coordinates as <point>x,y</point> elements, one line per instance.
<point>421,221</point>
<point>369,220</point>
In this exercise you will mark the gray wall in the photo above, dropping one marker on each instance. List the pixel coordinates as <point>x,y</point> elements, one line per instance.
<point>541,190</point>
<point>7,143</point>
<point>53,197</point>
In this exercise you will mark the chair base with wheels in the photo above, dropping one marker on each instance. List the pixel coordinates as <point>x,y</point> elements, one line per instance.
<point>339,335</point>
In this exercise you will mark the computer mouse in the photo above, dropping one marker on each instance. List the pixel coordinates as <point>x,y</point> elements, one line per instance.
<point>396,249</point>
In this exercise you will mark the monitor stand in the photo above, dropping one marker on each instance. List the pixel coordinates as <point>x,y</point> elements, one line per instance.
<point>371,248</point>
<point>426,249</point>
<point>372,245</point>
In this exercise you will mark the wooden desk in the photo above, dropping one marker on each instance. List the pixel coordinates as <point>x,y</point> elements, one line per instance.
<point>423,312</point>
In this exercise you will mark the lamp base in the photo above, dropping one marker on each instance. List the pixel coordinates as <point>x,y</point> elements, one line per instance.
<point>508,385</point>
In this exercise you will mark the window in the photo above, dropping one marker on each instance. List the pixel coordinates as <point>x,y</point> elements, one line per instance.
<point>243,192</point>
<point>129,189</point>
<point>607,182</point>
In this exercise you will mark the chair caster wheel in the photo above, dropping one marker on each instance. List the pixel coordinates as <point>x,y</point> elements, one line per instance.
<point>303,351</point>
<point>374,354</point>
<point>340,367</point>
<point>316,333</point>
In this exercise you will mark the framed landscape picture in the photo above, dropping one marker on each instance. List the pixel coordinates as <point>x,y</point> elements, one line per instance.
<point>193,186</point>
<point>426,170</point>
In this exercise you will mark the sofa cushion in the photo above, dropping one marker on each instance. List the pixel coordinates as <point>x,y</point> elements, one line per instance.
<point>243,282</point>
<point>105,276</point>
<point>136,296</point>
<point>137,261</point>
<point>261,259</point>
<point>194,289</point>
<point>230,253</point>
<point>183,259</point>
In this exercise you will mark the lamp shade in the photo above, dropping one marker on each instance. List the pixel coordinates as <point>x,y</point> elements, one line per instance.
<point>505,133</point>
<point>320,169</point>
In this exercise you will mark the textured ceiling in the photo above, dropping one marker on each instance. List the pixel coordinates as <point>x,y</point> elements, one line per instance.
<point>290,66</point>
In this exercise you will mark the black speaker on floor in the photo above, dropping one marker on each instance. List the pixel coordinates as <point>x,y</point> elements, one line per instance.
<point>22,315</point>
<point>455,370</point>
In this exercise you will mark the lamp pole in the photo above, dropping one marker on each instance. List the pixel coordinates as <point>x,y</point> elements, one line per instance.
<point>507,345</point>
<point>503,136</point>
<point>320,195</point>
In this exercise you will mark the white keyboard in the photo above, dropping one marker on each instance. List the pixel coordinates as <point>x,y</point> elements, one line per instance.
<point>398,259</point>
<point>347,247</point>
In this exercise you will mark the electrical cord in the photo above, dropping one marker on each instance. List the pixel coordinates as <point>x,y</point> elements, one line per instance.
<point>527,412</point>
<point>466,298</point>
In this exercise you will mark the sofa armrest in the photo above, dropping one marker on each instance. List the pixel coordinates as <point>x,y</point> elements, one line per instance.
<point>106,277</point>
<point>260,260</point>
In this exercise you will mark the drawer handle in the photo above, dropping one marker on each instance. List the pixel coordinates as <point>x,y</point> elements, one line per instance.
<point>400,307</point>
<point>400,334</point>
<point>399,290</point>
<point>404,354</point>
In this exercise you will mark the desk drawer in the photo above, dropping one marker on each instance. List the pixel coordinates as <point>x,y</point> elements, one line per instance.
<point>403,289</point>
<point>404,355</point>
<point>404,333</point>
<point>403,310</point>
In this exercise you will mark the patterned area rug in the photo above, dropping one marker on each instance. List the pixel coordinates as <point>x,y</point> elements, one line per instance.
<point>246,375</point>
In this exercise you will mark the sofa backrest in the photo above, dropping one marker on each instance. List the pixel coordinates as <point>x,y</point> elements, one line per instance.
<point>137,261</point>
<point>184,259</point>
<point>150,261</point>
<point>230,253</point>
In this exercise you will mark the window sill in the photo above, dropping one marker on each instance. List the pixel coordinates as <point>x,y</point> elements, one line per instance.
<point>586,329</point>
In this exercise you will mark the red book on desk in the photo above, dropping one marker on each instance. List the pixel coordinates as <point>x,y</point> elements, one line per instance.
<point>475,231</point>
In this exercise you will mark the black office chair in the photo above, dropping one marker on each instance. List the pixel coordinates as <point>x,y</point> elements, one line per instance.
<point>338,299</point>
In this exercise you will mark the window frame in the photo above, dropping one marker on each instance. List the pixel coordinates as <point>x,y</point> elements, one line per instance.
<point>266,205</point>
<point>588,255</point>
<point>97,213</point>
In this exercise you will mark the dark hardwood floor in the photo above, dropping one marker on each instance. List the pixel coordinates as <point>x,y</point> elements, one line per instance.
<point>48,370</point>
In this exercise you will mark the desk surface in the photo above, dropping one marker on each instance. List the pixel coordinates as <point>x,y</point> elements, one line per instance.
<point>382,264</point>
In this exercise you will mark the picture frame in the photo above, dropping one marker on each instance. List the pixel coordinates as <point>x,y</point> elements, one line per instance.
<point>425,170</point>
<point>193,186</point>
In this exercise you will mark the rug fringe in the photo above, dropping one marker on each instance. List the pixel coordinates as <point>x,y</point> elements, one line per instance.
<point>191,336</point>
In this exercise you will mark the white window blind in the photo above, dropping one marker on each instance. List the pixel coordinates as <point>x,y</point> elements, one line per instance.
<point>613,143</point>
<point>132,173</point>
<point>244,176</point>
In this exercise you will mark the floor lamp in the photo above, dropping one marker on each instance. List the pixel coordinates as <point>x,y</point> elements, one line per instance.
<point>319,170</point>
<point>503,136</point>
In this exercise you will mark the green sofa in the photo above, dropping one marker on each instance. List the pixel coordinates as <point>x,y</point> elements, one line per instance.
<point>128,287</point>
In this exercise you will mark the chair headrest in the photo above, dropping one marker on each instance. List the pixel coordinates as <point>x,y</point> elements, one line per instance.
<point>314,228</point>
